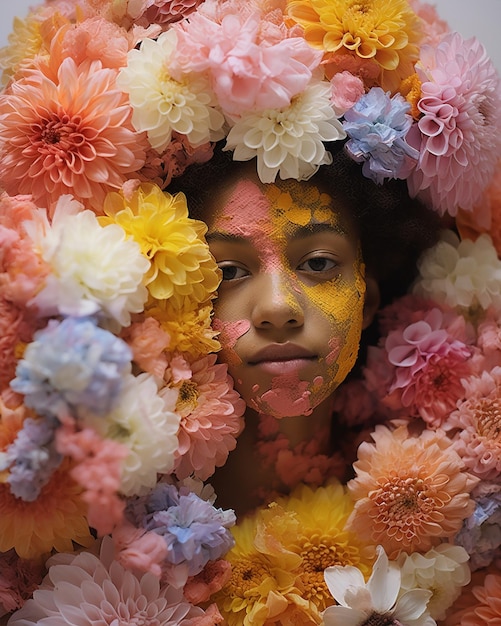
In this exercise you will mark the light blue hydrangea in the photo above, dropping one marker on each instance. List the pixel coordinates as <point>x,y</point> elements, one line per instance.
<point>377,126</point>
<point>195,531</point>
<point>31,458</point>
<point>481,532</point>
<point>72,366</point>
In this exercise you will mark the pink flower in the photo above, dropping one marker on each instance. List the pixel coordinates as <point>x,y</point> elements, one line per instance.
<point>478,420</point>
<point>460,127</point>
<point>435,27</point>
<point>247,74</point>
<point>18,579</point>
<point>139,549</point>
<point>165,12</point>
<point>211,419</point>
<point>211,579</point>
<point>148,342</point>
<point>70,135</point>
<point>346,90</point>
<point>354,403</point>
<point>430,357</point>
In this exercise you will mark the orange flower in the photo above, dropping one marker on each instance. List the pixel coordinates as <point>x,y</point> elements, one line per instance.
<point>410,492</point>
<point>483,602</point>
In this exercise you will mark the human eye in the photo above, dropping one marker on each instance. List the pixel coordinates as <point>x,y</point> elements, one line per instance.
<point>319,263</point>
<point>232,271</point>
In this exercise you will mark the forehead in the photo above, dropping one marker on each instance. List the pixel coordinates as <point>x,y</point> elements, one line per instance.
<point>286,208</point>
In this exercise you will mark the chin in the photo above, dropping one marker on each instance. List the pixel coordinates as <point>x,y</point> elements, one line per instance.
<point>283,402</point>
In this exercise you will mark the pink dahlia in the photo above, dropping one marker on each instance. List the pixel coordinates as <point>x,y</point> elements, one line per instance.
<point>478,420</point>
<point>211,419</point>
<point>430,358</point>
<point>70,135</point>
<point>84,589</point>
<point>460,126</point>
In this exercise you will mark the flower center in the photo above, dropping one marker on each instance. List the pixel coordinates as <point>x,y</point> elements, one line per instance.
<point>246,576</point>
<point>488,416</point>
<point>381,619</point>
<point>188,397</point>
<point>61,135</point>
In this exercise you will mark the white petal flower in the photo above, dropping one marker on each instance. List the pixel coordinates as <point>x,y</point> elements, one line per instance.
<point>142,423</point>
<point>95,269</point>
<point>377,601</point>
<point>443,570</point>
<point>288,141</point>
<point>161,103</point>
<point>461,274</point>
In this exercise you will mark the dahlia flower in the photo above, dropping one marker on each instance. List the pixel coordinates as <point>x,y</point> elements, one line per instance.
<point>464,274</point>
<point>460,125</point>
<point>163,12</point>
<point>443,570</point>
<point>141,422</point>
<point>385,31</point>
<point>377,126</point>
<point>288,141</point>
<point>375,601</point>
<point>211,419</point>
<point>249,70</point>
<point>95,269</point>
<point>72,366</point>
<point>180,263</point>
<point>484,607</point>
<point>162,103</point>
<point>85,588</point>
<point>410,492</point>
<point>68,135</point>
<point>25,42</point>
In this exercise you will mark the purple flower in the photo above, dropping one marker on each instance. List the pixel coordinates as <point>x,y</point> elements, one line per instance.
<point>377,126</point>
<point>72,366</point>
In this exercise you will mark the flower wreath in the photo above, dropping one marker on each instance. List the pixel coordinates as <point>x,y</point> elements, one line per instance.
<point>113,409</point>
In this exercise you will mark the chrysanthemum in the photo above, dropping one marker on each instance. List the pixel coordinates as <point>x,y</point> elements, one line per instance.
<point>162,103</point>
<point>461,274</point>
<point>288,141</point>
<point>97,589</point>
<point>410,492</point>
<point>478,423</point>
<point>55,519</point>
<point>460,123</point>
<point>375,602</point>
<point>68,135</point>
<point>211,412</point>
<point>443,570</point>
<point>181,265</point>
<point>25,42</point>
<point>95,269</point>
<point>386,31</point>
<point>484,607</point>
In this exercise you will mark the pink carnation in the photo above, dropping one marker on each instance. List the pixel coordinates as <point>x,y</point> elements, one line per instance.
<point>247,74</point>
<point>70,135</point>
<point>165,12</point>
<point>478,419</point>
<point>460,126</point>
<point>148,342</point>
<point>346,90</point>
<point>211,419</point>
<point>211,579</point>
<point>139,549</point>
<point>430,357</point>
<point>435,27</point>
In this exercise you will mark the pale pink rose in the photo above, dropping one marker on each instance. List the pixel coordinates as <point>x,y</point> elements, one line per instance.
<point>346,90</point>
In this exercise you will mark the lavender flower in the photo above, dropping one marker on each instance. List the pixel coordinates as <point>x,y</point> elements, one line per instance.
<point>377,126</point>
<point>31,458</point>
<point>72,366</point>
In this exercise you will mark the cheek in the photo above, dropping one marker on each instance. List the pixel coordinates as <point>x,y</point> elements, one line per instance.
<point>229,334</point>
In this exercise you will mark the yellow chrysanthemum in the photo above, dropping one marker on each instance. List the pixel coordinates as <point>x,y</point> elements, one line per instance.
<point>188,327</point>
<point>181,264</point>
<point>25,42</point>
<point>385,31</point>
<point>54,520</point>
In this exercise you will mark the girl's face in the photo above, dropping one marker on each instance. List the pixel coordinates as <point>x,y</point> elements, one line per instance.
<point>290,308</point>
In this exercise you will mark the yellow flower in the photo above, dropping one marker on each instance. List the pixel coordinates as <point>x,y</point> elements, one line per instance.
<point>385,31</point>
<point>181,264</point>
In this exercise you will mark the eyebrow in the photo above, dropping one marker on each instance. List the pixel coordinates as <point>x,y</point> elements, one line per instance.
<point>299,232</point>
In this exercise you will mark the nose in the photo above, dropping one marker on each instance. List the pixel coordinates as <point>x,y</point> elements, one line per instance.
<point>276,303</point>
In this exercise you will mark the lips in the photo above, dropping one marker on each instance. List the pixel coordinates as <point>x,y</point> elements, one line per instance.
<point>281,358</point>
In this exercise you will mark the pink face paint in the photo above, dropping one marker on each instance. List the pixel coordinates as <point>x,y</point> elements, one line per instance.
<point>229,334</point>
<point>288,397</point>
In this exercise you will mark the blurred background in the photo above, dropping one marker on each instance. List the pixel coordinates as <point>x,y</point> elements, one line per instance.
<point>481,18</point>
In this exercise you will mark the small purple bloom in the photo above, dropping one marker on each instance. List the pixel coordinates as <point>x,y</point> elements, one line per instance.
<point>377,126</point>
<point>72,366</point>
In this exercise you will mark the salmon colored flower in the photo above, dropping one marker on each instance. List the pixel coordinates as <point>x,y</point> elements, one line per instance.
<point>410,492</point>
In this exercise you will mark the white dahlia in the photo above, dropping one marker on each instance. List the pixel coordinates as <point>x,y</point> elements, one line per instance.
<point>288,141</point>
<point>163,103</point>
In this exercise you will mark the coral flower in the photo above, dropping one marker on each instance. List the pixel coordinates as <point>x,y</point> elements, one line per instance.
<point>68,135</point>
<point>484,607</point>
<point>387,31</point>
<point>410,492</point>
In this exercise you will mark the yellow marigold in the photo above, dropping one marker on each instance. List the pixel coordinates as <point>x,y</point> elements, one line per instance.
<point>188,327</point>
<point>386,31</point>
<point>181,264</point>
<point>411,90</point>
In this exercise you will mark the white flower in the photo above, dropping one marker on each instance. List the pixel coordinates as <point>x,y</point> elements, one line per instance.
<point>94,268</point>
<point>288,141</point>
<point>161,103</point>
<point>443,570</point>
<point>461,274</point>
<point>141,422</point>
<point>375,602</point>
